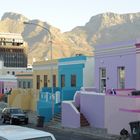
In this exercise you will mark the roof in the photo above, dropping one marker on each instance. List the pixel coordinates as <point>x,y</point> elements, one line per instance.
<point>10,35</point>
<point>74,58</point>
<point>8,77</point>
<point>117,44</point>
<point>13,132</point>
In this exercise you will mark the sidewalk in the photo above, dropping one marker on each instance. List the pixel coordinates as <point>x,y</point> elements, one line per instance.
<point>95,132</point>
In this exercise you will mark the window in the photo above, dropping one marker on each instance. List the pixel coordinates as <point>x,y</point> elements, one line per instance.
<point>38,81</point>
<point>13,73</point>
<point>29,84</point>
<point>121,77</point>
<point>45,80</point>
<point>102,84</point>
<point>73,80</point>
<point>24,84</point>
<point>62,80</point>
<point>54,80</point>
<point>19,84</point>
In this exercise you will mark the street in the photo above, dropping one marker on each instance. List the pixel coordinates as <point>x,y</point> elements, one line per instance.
<point>65,135</point>
<point>60,135</point>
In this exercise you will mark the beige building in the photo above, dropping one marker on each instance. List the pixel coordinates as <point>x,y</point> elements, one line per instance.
<point>42,72</point>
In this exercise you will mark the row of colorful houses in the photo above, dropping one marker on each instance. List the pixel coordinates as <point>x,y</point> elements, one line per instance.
<point>113,66</point>
<point>68,76</point>
<point>117,67</point>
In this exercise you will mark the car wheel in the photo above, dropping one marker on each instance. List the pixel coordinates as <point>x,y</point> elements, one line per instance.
<point>11,121</point>
<point>26,121</point>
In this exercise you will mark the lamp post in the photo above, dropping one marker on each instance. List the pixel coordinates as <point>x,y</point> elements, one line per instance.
<point>51,57</point>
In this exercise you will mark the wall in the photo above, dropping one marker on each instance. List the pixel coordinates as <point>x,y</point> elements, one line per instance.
<point>88,72</point>
<point>92,106</point>
<point>70,115</point>
<point>24,77</point>
<point>7,82</point>
<point>120,111</point>
<point>69,66</point>
<point>48,106</point>
<point>45,68</point>
<point>113,112</point>
<point>68,71</point>
<point>24,98</point>
<point>42,73</point>
<point>113,57</point>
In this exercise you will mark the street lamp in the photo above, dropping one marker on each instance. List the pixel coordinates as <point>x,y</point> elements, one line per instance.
<point>51,70</point>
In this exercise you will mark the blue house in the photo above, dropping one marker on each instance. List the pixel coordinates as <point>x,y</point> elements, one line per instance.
<point>74,73</point>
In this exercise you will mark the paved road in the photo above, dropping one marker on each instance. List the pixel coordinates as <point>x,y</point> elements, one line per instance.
<point>62,135</point>
<point>67,135</point>
<point>70,136</point>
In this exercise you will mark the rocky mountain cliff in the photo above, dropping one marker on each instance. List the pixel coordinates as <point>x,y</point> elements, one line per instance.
<point>101,29</point>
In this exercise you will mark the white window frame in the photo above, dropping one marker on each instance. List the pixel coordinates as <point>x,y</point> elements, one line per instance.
<point>121,77</point>
<point>102,79</point>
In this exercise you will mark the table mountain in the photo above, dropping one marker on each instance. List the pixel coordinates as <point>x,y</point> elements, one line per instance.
<point>101,29</point>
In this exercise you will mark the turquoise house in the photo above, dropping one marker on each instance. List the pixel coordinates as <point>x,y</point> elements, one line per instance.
<point>74,73</point>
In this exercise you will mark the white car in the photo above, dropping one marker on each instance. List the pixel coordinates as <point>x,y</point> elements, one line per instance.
<point>14,132</point>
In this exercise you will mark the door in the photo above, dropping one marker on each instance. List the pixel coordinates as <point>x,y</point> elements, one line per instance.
<point>102,81</point>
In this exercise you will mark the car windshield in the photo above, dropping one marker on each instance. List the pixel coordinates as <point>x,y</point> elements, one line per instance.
<point>16,111</point>
<point>41,138</point>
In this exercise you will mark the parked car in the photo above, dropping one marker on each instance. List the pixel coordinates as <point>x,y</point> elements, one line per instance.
<point>14,115</point>
<point>14,132</point>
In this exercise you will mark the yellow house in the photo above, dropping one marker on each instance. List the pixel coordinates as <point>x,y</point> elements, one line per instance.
<point>43,73</point>
<point>30,83</point>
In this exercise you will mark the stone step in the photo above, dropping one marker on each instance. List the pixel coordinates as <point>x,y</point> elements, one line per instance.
<point>56,118</point>
<point>83,120</point>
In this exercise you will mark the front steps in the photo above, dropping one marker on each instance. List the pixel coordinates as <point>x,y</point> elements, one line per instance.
<point>83,121</point>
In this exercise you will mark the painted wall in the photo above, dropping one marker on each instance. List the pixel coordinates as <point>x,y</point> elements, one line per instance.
<point>68,71</point>
<point>7,82</point>
<point>48,106</point>
<point>120,111</point>
<point>111,64</point>
<point>89,72</point>
<point>67,67</point>
<point>24,77</point>
<point>113,112</point>
<point>45,68</point>
<point>112,57</point>
<point>92,106</point>
<point>70,115</point>
<point>17,96</point>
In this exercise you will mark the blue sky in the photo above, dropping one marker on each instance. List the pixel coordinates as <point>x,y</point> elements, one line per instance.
<point>66,14</point>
